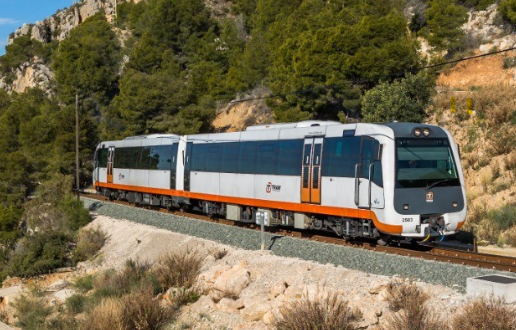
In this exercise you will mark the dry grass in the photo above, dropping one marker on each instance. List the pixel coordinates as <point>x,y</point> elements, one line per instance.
<point>485,314</point>
<point>140,310</point>
<point>323,313</point>
<point>409,303</point>
<point>178,270</point>
<point>107,315</point>
<point>89,242</point>
<point>136,310</point>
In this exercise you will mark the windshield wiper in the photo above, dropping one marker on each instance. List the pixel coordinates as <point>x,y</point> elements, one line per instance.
<point>439,182</point>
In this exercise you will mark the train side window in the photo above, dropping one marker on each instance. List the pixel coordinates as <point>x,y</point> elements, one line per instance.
<point>248,151</point>
<point>340,155</point>
<point>213,158</point>
<point>198,162</point>
<point>377,172</point>
<point>290,156</point>
<point>161,157</point>
<point>120,156</point>
<point>230,157</point>
<point>144,158</point>
<point>267,158</point>
<point>102,157</point>
<point>365,157</point>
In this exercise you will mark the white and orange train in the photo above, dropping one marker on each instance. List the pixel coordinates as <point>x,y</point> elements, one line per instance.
<point>358,180</point>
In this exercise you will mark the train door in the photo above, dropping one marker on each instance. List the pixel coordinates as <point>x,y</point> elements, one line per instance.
<point>187,161</point>
<point>110,160</point>
<point>311,171</point>
<point>173,166</point>
<point>367,172</point>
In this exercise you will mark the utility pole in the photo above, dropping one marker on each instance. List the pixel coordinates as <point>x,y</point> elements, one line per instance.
<point>77,144</point>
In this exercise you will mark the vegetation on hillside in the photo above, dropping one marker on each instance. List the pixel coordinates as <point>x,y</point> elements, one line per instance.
<point>139,296</point>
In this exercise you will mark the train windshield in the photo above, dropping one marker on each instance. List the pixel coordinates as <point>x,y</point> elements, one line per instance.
<point>425,163</point>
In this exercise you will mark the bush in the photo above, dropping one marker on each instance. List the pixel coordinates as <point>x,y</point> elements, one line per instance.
<point>39,254</point>
<point>75,304</point>
<point>85,283</point>
<point>141,311</point>
<point>178,270</point>
<point>107,315</point>
<point>509,62</point>
<point>55,208</point>
<point>89,242</point>
<point>502,218</point>
<point>508,10</point>
<point>404,100</point>
<point>485,313</point>
<point>31,311</point>
<point>322,313</point>
<point>75,213</point>
<point>409,302</point>
<point>133,276</point>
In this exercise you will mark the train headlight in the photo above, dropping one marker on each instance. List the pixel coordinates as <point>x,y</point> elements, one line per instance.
<point>426,132</point>
<point>455,204</point>
<point>405,206</point>
<point>417,132</point>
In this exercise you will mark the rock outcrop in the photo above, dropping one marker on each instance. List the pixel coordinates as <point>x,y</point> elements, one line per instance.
<point>58,26</point>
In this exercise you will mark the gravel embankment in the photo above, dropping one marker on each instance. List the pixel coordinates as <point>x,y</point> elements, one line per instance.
<point>367,261</point>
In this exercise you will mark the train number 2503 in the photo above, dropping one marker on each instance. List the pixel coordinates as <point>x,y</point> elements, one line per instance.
<point>407,219</point>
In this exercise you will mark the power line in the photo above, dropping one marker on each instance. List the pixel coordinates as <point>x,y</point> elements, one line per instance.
<point>361,81</point>
<point>468,58</point>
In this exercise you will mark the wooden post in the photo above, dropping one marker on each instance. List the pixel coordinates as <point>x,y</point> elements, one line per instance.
<point>77,144</point>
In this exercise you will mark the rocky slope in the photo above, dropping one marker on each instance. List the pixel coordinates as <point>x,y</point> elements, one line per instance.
<point>255,285</point>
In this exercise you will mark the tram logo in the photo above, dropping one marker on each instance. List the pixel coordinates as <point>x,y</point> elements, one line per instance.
<point>271,187</point>
<point>430,196</point>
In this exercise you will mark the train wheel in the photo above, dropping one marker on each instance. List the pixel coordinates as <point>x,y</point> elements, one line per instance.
<point>384,240</point>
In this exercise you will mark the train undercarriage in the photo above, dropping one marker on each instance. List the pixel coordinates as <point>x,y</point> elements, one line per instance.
<point>348,228</point>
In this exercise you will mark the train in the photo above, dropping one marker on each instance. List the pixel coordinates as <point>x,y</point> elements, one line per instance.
<point>387,182</point>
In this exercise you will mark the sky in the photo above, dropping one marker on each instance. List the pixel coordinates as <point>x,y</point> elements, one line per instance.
<point>13,13</point>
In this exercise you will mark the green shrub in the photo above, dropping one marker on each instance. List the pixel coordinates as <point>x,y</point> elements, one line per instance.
<point>54,207</point>
<point>444,20</point>
<point>75,213</point>
<point>31,312</point>
<point>134,275</point>
<point>75,304</point>
<point>508,10</point>
<point>404,100</point>
<point>39,254</point>
<point>85,283</point>
<point>503,218</point>
<point>509,62</point>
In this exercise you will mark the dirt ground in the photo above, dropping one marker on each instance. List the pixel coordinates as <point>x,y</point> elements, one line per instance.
<point>483,71</point>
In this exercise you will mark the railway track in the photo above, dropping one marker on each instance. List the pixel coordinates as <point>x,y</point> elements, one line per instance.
<point>427,252</point>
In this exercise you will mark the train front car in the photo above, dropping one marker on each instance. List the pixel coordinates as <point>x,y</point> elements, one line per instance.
<point>427,185</point>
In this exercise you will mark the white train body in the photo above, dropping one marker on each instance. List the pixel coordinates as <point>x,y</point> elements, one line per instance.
<point>358,180</point>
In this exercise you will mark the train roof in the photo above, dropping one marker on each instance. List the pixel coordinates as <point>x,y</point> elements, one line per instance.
<point>284,131</point>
